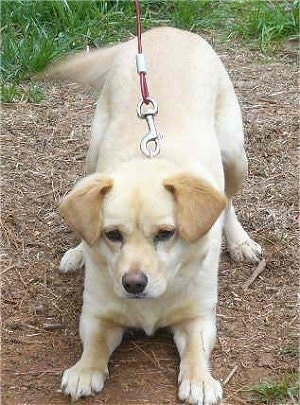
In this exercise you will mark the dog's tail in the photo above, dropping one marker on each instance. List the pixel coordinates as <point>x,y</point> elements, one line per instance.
<point>88,68</point>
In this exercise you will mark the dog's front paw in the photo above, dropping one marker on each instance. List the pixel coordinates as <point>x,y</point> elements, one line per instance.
<point>71,260</point>
<point>204,391</point>
<point>246,251</point>
<point>79,381</point>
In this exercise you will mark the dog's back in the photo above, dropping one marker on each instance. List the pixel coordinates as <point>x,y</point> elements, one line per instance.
<point>183,76</point>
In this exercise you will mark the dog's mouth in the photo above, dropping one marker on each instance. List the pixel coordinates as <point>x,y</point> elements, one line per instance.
<point>136,296</point>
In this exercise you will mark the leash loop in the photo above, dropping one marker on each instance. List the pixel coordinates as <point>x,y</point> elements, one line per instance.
<point>143,109</point>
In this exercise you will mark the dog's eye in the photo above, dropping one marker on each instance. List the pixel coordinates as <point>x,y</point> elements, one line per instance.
<point>163,235</point>
<point>114,236</point>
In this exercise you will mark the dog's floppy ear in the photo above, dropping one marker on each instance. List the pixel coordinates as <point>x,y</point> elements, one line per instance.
<point>198,205</point>
<point>81,208</point>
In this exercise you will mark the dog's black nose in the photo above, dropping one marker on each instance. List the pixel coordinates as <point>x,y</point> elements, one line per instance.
<point>134,282</point>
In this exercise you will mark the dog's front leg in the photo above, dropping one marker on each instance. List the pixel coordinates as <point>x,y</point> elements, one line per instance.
<point>99,339</point>
<point>195,339</point>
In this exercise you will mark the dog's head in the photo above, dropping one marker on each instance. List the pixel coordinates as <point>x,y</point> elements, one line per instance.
<point>141,228</point>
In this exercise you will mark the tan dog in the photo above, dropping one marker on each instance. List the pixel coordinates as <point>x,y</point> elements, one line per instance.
<point>151,229</point>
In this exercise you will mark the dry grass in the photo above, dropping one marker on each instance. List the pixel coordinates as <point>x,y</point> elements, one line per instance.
<point>43,148</point>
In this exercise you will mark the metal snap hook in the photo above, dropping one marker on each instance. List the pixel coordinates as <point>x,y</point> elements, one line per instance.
<point>150,146</point>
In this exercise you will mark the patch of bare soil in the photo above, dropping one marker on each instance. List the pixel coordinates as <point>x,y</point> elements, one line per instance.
<point>44,147</point>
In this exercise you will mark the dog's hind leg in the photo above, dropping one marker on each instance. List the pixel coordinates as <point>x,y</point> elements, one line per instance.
<point>72,259</point>
<point>241,247</point>
<point>229,128</point>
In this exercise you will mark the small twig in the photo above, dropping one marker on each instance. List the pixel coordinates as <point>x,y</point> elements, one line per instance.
<point>7,268</point>
<point>156,359</point>
<point>37,372</point>
<point>52,326</point>
<point>153,361</point>
<point>230,375</point>
<point>22,280</point>
<point>267,100</point>
<point>259,269</point>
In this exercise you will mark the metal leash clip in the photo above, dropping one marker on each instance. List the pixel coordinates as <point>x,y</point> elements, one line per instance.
<point>150,144</point>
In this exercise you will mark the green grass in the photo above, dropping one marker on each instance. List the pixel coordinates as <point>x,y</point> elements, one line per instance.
<point>12,93</point>
<point>286,390</point>
<point>34,32</point>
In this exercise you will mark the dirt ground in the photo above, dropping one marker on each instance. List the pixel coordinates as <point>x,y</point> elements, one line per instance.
<point>44,147</point>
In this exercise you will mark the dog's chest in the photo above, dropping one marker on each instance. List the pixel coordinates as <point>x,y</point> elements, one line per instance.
<point>148,322</point>
<point>151,316</point>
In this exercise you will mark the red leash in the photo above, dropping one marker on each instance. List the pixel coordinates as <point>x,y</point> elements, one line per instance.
<point>147,108</point>
<point>141,66</point>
